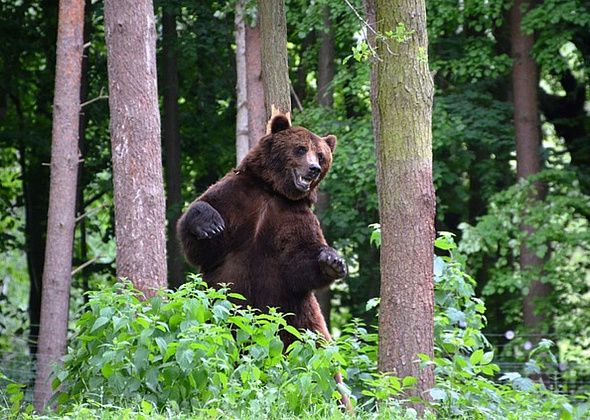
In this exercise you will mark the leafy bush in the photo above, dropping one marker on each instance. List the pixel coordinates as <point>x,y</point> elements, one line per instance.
<point>561,238</point>
<point>467,382</point>
<point>196,352</point>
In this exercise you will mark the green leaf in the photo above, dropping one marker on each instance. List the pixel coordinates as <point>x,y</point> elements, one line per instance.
<point>100,321</point>
<point>146,407</point>
<point>476,357</point>
<point>438,394</point>
<point>487,358</point>
<point>409,381</point>
<point>107,370</point>
<point>293,331</point>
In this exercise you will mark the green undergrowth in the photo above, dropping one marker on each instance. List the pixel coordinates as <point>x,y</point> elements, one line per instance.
<point>197,353</point>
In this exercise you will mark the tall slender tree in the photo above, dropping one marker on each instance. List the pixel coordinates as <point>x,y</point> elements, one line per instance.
<point>171,137</point>
<point>255,89</point>
<point>525,80</point>
<point>242,126</point>
<point>402,112</point>
<point>135,140</point>
<point>326,66</point>
<point>275,70</point>
<point>62,196</point>
<point>80,206</point>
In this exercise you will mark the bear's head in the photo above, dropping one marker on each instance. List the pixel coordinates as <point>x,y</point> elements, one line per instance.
<point>291,160</point>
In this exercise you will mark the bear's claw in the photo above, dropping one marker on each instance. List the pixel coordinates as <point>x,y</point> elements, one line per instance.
<point>332,264</point>
<point>205,222</point>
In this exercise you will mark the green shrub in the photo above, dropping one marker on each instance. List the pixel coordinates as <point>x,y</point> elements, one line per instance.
<point>197,352</point>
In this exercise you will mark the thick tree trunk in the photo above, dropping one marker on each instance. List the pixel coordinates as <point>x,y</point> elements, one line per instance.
<point>171,135</point>
<point>403,115</point>
<point>62,196</point>
<point>255,90</point>
<point>525,79</point>
<point>135,139</point>
<point>242,136</point>
<point>275,70</point>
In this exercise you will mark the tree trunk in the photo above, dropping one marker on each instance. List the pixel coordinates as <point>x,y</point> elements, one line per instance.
<point>326,62</point>
<point>171,134</point>
<point>275,70</point>
<point>83,120</point>
<point>135,140</point>
<point>525,79</point>
<point>242,137</point>
<point>255,90</point>
<point>62,196</point>
<point>325,99</point>
<point>402,113</point>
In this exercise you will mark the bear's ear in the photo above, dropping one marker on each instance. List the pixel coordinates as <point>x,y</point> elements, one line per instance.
<point>331,140</point>
<point>279,122</point>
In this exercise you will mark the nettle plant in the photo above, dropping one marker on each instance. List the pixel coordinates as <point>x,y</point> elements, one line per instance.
<point>196,349</point>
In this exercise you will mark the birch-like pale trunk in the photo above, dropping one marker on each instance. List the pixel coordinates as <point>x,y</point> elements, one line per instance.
<point>242,135</point>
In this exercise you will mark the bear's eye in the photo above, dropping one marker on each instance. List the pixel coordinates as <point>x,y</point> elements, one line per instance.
<point>300,150</point>
<point>321,158</point>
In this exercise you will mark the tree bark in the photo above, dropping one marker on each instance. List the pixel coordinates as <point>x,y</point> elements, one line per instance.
<point>171,135</point>
<point>326,62</point>
<point>525,79</point>
<point>275,70</point>
<point>242,136</point>
<point>135,140</point>
<point>62,196</point>
<point>402,113</point>
<point>83,120</point>
<point>255,90</point>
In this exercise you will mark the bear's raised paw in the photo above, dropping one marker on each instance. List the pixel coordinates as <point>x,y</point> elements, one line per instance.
<point>204,221</point>
<point>332,264</point>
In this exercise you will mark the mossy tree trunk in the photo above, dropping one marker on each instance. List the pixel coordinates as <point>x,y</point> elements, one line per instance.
<point>62,197</point>
<point>275,70</point>
<point>402,114</point>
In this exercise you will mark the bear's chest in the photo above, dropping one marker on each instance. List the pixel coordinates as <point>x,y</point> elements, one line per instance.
<point>273,225</point>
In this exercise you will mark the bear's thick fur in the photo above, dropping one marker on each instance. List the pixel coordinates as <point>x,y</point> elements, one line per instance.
<point>255,230</point>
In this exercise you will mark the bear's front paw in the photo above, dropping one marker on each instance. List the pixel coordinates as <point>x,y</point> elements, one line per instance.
<point>204,221</point>
<point>332,264</point>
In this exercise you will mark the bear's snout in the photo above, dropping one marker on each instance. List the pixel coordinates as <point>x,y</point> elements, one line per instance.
<point>314,171</point>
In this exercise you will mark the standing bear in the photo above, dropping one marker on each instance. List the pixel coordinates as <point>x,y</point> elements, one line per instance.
<point>255,230</point>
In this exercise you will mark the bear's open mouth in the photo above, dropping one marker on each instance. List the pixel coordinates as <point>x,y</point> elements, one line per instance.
<point>302,183</point>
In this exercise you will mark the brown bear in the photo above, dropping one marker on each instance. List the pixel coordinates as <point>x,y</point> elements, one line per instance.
<point>255,229</point>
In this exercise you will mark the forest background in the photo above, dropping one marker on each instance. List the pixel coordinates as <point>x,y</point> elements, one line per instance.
<point>475,172</point>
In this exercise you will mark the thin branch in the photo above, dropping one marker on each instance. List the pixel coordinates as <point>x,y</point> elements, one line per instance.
<point>297,101</point>
<point>89,212</point>
<point>368,26</point>
<point>360,17</point>
<point>86,264</point>
<point>98,98</point>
